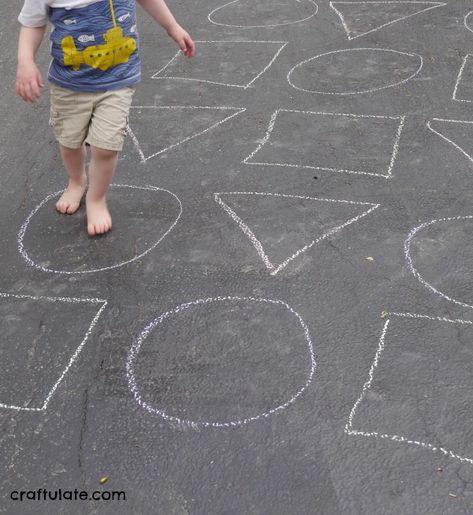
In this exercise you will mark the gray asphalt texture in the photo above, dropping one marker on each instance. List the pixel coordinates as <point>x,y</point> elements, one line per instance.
<point>239,360</point>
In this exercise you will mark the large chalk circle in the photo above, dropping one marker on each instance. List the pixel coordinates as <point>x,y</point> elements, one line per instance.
<point>440,255</point>
<point>221,362</point>
<point>354,71</point>
<point>142,217</point>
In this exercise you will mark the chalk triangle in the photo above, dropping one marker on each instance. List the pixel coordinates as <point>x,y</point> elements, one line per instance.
<point>282,227</point>
<point>457,133</point>
<point>361,18</point>
<point>157,129</point>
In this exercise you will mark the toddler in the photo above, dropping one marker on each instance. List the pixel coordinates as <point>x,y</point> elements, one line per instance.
<point>93,73</point>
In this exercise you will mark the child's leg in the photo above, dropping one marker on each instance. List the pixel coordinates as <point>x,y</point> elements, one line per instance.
<point>105,136</point>
<point>101,170</point>
<point>74,163</point>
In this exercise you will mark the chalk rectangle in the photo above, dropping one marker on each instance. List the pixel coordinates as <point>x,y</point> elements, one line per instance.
<point>419,388</point>
<point>41,339</point>
<point>333,142</point>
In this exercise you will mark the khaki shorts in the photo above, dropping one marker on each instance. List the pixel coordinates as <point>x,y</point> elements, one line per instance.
<point>99,119</point>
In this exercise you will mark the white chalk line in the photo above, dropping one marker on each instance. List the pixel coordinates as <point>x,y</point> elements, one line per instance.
<point>465,21</point>
<point>258,245</point>
<point>362,92</point>
<point>209,17</point>
<point>247,231</point>
<point>136,143</point>
<point>410,264</point>
<point>396,438</point>
<point>135,349</point>
<point>24,227</point>
<point>457,83</point>
<point>429,317</point>
<point>429,126</point>
<point>76,352</point>
<point>243,86</point>
<point>238,111</point>
<point>397,139</point>
<point>271,126</point>
<point>350,33</point>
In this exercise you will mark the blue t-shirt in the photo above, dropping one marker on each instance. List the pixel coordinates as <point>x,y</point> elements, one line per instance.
<point>90,53</point>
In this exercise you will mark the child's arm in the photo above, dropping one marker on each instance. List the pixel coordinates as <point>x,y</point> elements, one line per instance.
<point>158,10</point>
<point>28,77</point>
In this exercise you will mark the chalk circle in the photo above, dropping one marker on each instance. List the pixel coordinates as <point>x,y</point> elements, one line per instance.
<point>433,244</point>
<point>282,328</point>
<point>466,21</point>
<point>310,3</point>
<point>338,73</point>
<point>65,238</point>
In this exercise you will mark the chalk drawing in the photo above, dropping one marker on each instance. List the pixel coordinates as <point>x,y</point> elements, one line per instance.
<point>465,66</point>
<point>275,269</point>
<point>293,139</point>
<point>31,262</point>
<point>468,124</point>
<point>236,3</point>
<point>466,21</point>
<point>326,63</point>
<point>136,347</point>
<point>213,56</point>
<point>349,429</point>
<point>410,263</point>
<point>235,111</point>
<point>73,358</point>
<point>357,26</point>
<point>428,317</point>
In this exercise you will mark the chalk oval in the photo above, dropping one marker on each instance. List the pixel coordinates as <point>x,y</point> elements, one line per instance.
<point>59,243</point>
<point>222,362</point>
<point>354,71</point>
<point>246,14</point>
<point>439,254</point>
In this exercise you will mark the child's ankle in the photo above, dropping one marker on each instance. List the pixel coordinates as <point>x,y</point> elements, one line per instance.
<point>80,181</point>
<point>94,197</point>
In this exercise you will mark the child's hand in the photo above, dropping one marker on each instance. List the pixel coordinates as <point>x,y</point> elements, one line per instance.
<point>182,38</point>
<point>28,82</point>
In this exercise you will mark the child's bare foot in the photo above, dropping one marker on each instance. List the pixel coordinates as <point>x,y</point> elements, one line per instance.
<point>99,220</point>
<point>69,202</point>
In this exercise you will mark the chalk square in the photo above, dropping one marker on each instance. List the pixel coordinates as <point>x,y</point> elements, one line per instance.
<point>332,142</point>
<point>463,90</point>
<point>37,342</point>
<point>419,386</point>
<point>236,64</point>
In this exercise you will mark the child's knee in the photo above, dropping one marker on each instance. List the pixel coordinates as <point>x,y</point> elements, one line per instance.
<point>71,151</point>
<point>102,153</point>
